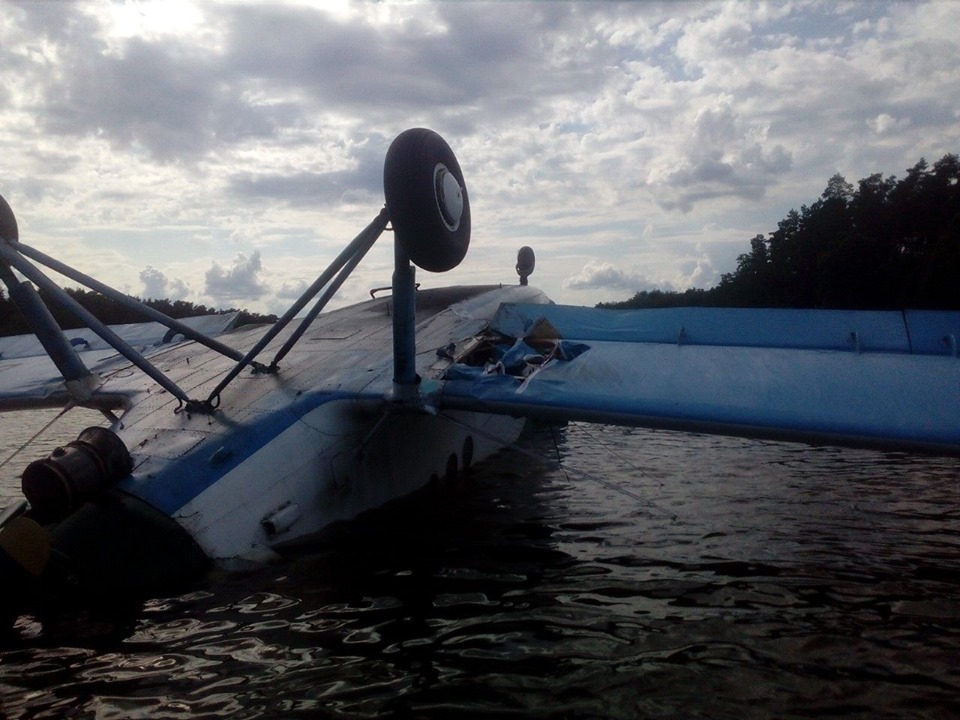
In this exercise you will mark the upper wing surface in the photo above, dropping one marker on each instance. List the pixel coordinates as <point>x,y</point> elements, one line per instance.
<point>28,378</point>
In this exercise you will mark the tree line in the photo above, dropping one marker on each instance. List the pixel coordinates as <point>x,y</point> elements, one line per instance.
<point>886,244</point>
<point>113,313</point>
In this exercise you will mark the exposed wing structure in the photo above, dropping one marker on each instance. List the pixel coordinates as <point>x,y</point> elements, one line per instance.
<point>879,379</point>
<point>29,378</point>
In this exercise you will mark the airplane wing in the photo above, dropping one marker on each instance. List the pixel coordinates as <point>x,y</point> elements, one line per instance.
<point>29,378</point>
<point>878,379</point>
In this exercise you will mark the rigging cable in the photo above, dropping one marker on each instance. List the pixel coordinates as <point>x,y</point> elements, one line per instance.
<point>583,473</point>
<point>556,448</point>
<point>617,455</point>
<point>41,431</point>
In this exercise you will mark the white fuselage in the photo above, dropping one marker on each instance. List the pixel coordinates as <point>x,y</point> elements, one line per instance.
<point>287,454</point>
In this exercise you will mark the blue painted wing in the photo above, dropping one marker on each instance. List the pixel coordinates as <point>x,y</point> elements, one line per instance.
<point>879,379</point>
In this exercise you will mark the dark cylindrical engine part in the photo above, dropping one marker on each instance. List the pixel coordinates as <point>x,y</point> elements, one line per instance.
<point>72,475</point>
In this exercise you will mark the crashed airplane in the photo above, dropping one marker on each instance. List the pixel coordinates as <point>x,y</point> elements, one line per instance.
<point>231,447</point>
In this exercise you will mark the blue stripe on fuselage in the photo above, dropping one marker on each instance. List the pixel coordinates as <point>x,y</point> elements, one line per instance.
<point>185,478</point>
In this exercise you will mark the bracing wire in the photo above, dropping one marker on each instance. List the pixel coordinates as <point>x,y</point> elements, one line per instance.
<point>556,449</point>
<point>559,463</point>
<point>612,451</point>
<point>41,431</point>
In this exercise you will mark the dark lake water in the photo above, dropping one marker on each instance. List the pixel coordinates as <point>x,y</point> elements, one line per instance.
<point>650,575</point>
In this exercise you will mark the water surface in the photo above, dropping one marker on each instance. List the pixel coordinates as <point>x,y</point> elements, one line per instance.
<point>649,574</point>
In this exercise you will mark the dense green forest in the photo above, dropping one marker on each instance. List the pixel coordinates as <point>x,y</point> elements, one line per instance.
<point>112,313</point>
<point>886,244</point>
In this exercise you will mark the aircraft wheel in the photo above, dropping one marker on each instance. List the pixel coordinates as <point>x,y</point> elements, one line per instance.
<point>8,222</point>
<point>427,200</point>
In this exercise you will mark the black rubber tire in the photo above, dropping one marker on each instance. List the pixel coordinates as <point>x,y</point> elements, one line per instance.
<point>409,186</point>
<point>8,222</point>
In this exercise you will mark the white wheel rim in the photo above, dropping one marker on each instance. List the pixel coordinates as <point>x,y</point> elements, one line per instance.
<point>449,196</point>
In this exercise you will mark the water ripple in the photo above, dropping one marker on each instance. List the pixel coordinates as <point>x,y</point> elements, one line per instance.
<point>792,582</point>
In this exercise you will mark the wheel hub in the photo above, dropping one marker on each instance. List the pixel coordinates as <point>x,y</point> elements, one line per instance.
<point>449,196</point>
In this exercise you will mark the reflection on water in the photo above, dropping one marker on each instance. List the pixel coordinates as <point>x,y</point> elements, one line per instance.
<point>748,580</point>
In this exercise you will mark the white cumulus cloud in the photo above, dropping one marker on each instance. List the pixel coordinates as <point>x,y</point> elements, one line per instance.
<point>605,275</point>
<point>158,286</point>
<point>883,124</point>
<point>241,280</point>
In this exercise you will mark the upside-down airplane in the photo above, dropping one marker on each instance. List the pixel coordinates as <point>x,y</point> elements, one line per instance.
<point>231,447</point>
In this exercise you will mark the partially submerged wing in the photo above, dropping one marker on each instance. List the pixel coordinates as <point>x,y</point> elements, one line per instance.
<point>879,379</point>
<point>29,378</point>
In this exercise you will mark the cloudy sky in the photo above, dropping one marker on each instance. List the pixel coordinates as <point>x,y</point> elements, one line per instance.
<point>224,152</point>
